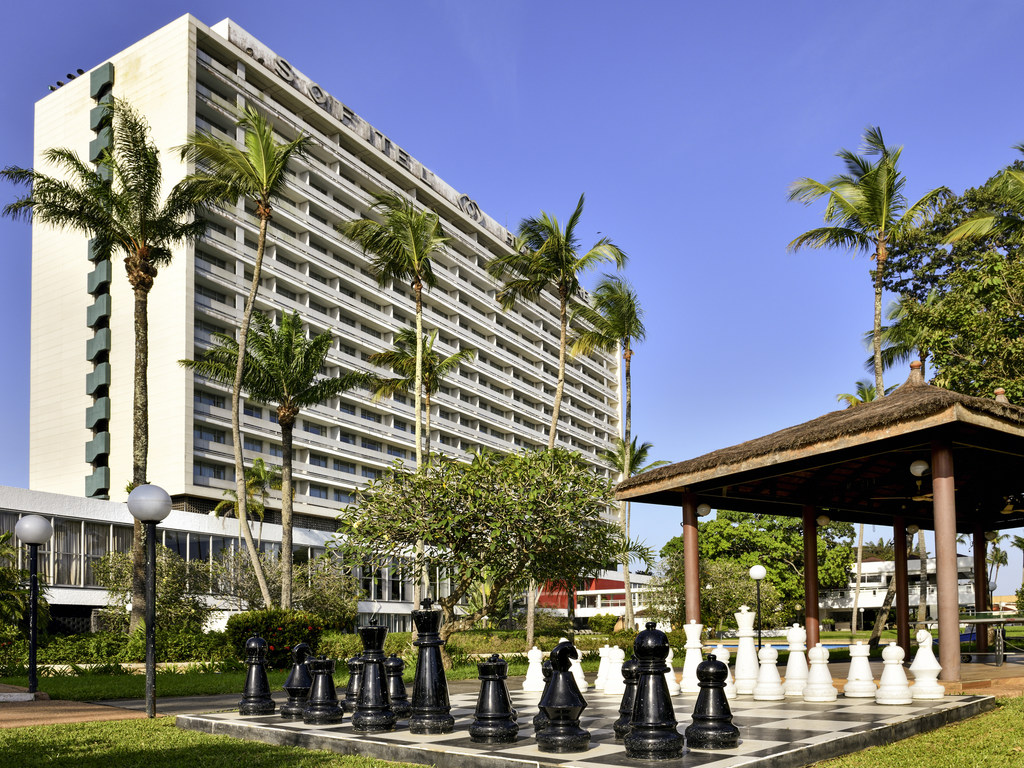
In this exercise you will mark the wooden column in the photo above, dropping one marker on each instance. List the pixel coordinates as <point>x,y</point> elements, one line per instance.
<point>945,559</point>
<point>899,538</point>
<point>981,585</point>
<point>810,522</point>
<point>691,562</point>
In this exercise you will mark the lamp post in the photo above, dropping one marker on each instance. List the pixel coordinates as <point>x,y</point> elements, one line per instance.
<point>33,530</point>
<point>149,504</point>
<point>757,572</point>
<point>861,627</point>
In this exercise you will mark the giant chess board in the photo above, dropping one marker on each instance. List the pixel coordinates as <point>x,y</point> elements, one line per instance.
<point>780,734</point>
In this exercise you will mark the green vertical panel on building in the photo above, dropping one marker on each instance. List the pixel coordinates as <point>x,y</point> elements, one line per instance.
<point>101,80</point>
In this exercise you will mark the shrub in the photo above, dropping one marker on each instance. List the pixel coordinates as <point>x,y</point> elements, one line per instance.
<point>549,623</point>
<point>341,646</point>
<point>281,629</point>
<point>603,623</point>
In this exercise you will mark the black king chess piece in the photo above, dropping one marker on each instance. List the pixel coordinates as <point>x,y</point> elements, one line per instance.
<point>494,719</point>
<point>298,683</point>
<point>256,694</point>
<point>373,708</point>
<point>563,703</point>
<point>630,673</point>
<point>322,707</point>
<point>431,709</point>
<point>393,668</point>
<point>652,729</point>
<point>712,726</point>
<point>540,720</point>
<point>355,683</point>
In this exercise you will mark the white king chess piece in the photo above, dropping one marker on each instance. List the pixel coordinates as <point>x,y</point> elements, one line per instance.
<point>819,680</point>
<point>746,653</point>
<point>893,687</point>
<point>535,672</point>
<point>926,670</point>
<point>692,659</point>
<point>860,682</point>
<point>796,665</point>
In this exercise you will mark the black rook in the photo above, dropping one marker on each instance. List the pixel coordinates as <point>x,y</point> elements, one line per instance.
<point>322,706</point>
<point>494,721</point>
<point>373,708</point>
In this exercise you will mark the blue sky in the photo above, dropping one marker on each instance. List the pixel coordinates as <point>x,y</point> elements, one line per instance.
<point>682,122</point>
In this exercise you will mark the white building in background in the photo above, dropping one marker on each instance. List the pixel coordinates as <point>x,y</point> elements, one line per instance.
<point>187,77</point>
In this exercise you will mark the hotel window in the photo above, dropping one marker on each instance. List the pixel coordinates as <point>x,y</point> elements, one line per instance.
<point>210,435</point>
<point>206,398</point>
<point>401,426</point>
<point>67,551</point>
<point>373,474</point>
<point>376,418</point>
<point>252,444</point>
<point>211,471</point>
<point>347,407</point>
<point>395,451</point>
<point>275,450</point>
<point>397,583</point>
<point>345,497</point>
<point>210,294</point>
<point>317,491</point>
<point>318,460</point>
<point>313,428</point>
<point>253,410</point>
<point>372,445</point>
<point>347,437</point>
<point>344,466</point>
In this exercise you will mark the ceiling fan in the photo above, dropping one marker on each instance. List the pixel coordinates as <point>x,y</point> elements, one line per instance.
<point>919,496</point>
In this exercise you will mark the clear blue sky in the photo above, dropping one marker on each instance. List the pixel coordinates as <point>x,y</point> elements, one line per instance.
<point>683,123</point>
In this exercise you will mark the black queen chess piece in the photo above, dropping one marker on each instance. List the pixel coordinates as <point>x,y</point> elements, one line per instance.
<point>652,729</point>
<point>431,708</point>
<point>355,683</point>
<point>373,707</point>
<point>712,726</point>
<point>256,694</point>
<point>394,667</point>
<point>630,673</point>
<point>322,707</point>
<point>540,720</point>
<point>494,718</point>
<point>563,703</point>
<point>298,683</point>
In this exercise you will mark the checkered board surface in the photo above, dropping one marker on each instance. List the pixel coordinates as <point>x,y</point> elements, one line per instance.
<point>782,733</point>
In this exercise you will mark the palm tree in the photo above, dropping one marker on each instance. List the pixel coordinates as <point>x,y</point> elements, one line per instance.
<point>127,215</point>
<point>282,368</point>
<point>1010,186</point>
<point>903,339</point>
<point>864,393</point>
<point>402,360</point>
<point>260,480</point>
<point>229,172</point>
<point>996,559</point>
<point>1018,543</point>
<point>866,210</point>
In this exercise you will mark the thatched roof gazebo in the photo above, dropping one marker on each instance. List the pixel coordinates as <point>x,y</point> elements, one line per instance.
<point>854,465</point>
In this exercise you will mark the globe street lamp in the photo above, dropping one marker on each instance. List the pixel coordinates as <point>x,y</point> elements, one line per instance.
<point>149,504</point>
<point>33,530</point>
<point>757,572</point>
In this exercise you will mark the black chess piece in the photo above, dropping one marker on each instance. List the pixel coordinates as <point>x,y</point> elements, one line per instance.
<point>494,718</point>
<point>322,707</point>
<point>256,694</point>
<point>630,673</point>
<point>298,683</point>
<point>540,720</point>
<point>355,683</point>
<point>431,708</point>
<point>712,726</point>
<point>563,703</point>
<point>373,708</point>
<point>652,729</point>
<point>393,668</point>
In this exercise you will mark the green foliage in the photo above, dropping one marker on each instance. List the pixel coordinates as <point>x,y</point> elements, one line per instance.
<point>281,629</point>
<point>603,623</point>
<point>13,592</point>
<point>550,623</point>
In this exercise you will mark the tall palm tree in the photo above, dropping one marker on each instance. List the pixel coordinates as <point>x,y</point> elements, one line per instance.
<point>903,339</point>
<point>282,368</point>
<point>228,172</point>
<point>997,558</point>
<point>125,215</point>
<point>864,393</point>
<point>1018,543</point>
<point>260,480</point>
<point>402,360</point>
<point>1010,186</point>
<point>866,210</point>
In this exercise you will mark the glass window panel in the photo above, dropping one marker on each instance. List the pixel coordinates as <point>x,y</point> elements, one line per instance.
<point>198,547</point>
<point>123,538</point>
<point>177,542</point>
<point>67,552</point>
<point>96,541</point>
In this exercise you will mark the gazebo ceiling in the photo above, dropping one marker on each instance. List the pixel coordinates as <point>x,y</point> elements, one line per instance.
<point>854,464</point>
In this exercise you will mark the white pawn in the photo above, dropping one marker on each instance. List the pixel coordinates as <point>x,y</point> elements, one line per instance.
<point>722,654</point>
<point>614,682</point>
<point>670,676</point>
<point>860,682</point>
<point>576,667</point>
<point>746,653</point>
<point>769,684</point>
<point>926,670</point>
<point>692,659</point>
<point>602,668</point>
<point>796,665</point>
<point>535,672</point>
<point>819,680</point>
<point>893,687</point>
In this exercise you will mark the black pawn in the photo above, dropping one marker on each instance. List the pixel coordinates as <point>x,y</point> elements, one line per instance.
<point>712,726</point>
<point>652,729</point>
<point>563,703</point>
<point>322,707</point>
<point>373,708</point>
<point>393,668</point>
<point>355,682</point>
<point>256,694</point>
<point>630,673</point>
<point>298,683</point>
<point>494,719</point>
<point>540,720</point>
<point>431,709</point>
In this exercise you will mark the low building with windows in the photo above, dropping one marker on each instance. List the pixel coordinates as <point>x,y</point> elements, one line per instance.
<point>601,594</point>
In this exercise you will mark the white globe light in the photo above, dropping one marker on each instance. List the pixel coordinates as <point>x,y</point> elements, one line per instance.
<point>149,503</point>
<point>919,468</point>
<point>33,529</point>
<point>758,572</point>
<point>823,520</point>
<point>703,510</point>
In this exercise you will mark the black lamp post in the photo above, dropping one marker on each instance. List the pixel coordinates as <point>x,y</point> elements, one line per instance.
<point>149,504</point>
<point>757,572</point>
<point>33,530</point>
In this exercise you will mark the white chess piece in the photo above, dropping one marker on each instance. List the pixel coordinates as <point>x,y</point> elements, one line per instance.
<point>602,668</point>
<point>693,658</point>
<point>576,667</point>
<point>926,670</point>
<point>614,682</point>
<point>819,680</point>
<point>746,653</point>
<point>769,684</point>
<point>893,687</point>
<point>670,676</point>
<point>796,665</point>
<point>860,682</point>
<point>535,672</point>
<point>722,654</point>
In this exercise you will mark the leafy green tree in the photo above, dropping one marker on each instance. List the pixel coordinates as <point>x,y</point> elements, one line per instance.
<point>126,215</point>
<point>1018,543</point>
<point>282,368</point>
<point>1006,221</point>
<point>867,210</point>
<point>13,595</point>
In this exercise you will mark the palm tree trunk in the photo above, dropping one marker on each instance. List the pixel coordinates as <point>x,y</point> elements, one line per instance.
<point>421,584</point>
<point>140,448</point>
<point>876,340</point>
<point>560,386</point>
<point>531,612</point>
<point>286,511</point>
<point>856,589</point>
<point>426,408</point>
<point>883,614</point>
<point>626,472</point>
